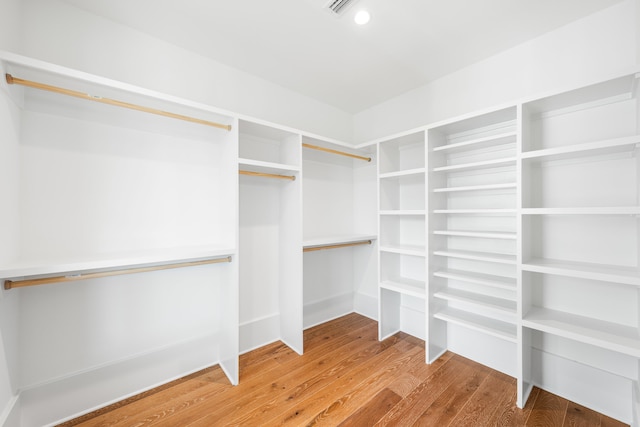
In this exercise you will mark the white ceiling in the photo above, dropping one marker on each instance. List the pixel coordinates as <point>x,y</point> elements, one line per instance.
<point>298,45</point>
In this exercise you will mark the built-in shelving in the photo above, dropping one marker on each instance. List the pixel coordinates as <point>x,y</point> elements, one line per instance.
<point>402,212</point>
<point>580,225</point>
<point>472,236</point>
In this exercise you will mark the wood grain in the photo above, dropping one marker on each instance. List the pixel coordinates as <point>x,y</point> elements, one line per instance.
<point>346,377</point>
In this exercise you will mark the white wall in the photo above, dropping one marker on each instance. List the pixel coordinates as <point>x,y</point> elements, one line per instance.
<point>62,34</point>
<point>585,51</point>
<point>10,19</point>
<point>10,24</point>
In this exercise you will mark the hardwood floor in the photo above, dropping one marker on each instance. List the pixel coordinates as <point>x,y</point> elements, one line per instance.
<point>345,378</point>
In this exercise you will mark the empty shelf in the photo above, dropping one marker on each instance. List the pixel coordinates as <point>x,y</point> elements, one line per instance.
<point>496,328</point>
<point>604,147</point>
<point>402,173</point>
<point>477,165</point>
<point>487,141</point>
<point>405,286</point>
<point>582,270</point>
<point>478,256</point>
<point>266,167</point>
<point>479,234</point>
<point>404,249</point>
<point>605,210</point>
<point>487,302</point>
<point>478,278</point>
<point>486,187</point>
<point>608,335</point>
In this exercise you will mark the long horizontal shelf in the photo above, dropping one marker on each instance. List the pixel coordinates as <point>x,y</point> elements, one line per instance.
<point>477,165</point>
<point>266,167</point>
<point>606,210</point>
<point>398,174</point>
<point>336,240</point>
<point>498,139</point>
<point>486,187</point>
<point>487,302</point>
<point>496,328</point>
<point>44,267</point>
<point>479,234</point>
<point>606,273</point>
<point>404,249</point>
<point>415,288</point>
<point>479,256</point>
<point>478,278</point>
<point>608,335</point>
<point>608,146</point>
<point>400,212</point>
<point>476,211</point>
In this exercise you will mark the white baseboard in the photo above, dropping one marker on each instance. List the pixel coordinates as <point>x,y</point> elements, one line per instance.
<point>73,396</point>
<point>319,312</point>
<point>594,388</point>
<point>366,305</point>
<point>257,333</point>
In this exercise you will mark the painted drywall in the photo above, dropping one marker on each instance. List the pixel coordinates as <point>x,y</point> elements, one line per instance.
<point>62,34</point>
<point>590,49</point>
<point>10,20</point>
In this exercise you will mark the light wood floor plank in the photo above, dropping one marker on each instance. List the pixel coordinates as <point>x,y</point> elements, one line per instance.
<point>346,377</point>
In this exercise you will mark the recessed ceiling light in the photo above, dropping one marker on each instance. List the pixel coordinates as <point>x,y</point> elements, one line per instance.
<point>362,17</point>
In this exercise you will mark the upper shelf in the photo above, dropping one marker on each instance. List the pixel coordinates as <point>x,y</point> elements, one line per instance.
<point>78,84</point>
<point>266,167</point>
<point>49,266</point>
<point>609,146</point>
<point>476,143</point>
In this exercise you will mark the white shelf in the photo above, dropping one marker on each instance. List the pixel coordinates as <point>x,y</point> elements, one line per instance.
<point>487,187</point>
<point>50,266</point>
<point>478,256</point>
<point>479,234</point>
<point>400,212</point>
<point>266,167</point>
<point>415,288</point>
<point>478,278</point>
<point>608,146</point>
<point>404,250</point>
<point>402,173</point>
<point>607,210</point>
<point>476,211</point>
<point>496,328</point>
<point>487,141</point>
<point>496,304</point>
<point>606,273</point>
<point>611,336</point>
<point>336,240</point>
<point>477,165</point>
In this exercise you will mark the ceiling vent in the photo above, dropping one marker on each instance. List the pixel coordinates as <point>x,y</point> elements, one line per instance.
<point>339,6</point>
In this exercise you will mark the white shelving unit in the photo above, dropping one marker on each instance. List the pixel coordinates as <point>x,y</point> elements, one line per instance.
<point>402,221</point>
<point>471,291</point>
<point>581,244</point>
<point>339,221</point>
<point>104,188</point>
<point>270,227</point>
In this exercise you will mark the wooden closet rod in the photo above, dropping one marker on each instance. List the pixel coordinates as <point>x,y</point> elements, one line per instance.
<point>341,245</point>
<point>329,150</point>
<point>267,175</point>
<point>10,284</point>
<point>15,80</point>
